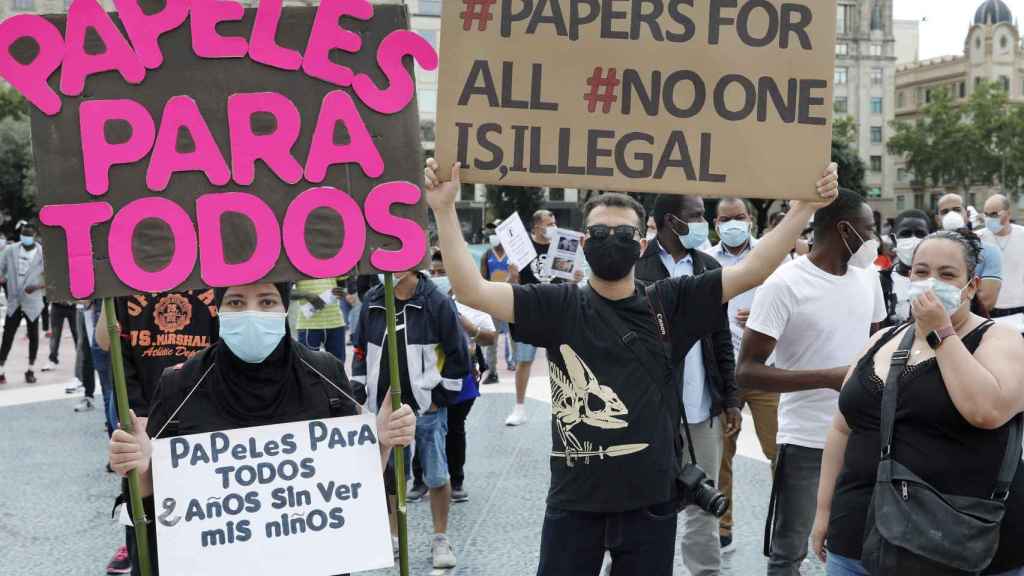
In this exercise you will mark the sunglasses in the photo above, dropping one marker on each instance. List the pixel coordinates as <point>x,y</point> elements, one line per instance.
<point>602,231</point>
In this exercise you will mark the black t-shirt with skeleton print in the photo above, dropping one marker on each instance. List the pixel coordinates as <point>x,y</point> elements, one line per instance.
<point>612,440</point>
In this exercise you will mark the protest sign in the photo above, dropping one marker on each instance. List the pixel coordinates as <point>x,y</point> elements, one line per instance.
<point>516,241</point>
<point>564,254</point>
<point>299,498</point>
<point>716,98</point>
<point>209,145</point>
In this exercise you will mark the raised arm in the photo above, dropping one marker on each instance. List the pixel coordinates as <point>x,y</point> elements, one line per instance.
<point>773,247</point>
<point>494,298</point>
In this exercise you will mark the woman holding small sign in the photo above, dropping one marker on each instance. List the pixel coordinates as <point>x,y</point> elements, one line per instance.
<point>255,375</point>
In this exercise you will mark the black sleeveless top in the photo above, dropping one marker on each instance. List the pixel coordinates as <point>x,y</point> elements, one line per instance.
<point>932,439</point>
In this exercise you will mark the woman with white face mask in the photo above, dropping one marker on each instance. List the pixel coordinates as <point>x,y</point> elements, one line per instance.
<point>256,374</point>
<point>909,229</point>
<point>957,401</point>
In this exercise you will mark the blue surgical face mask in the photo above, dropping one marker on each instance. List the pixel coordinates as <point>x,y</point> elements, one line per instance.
<point>443,284</point>
<point>28,241</point>
<point>949,295</point>
<point>697,237</point>
<point>994,225</point>
<point>252,336</point>
<point>734,233</point>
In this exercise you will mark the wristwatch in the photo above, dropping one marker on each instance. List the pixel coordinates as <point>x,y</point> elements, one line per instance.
<point>937,337</point>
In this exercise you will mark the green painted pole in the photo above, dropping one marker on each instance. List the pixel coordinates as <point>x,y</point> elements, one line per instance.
<point>396,403</point>
<point>121,392</point>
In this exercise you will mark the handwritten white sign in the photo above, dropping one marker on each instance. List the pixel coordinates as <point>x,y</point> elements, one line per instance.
<point>300,498</point>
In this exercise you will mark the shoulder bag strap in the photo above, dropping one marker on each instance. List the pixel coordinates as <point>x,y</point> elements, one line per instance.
<point>891,392</point>
<point>1011,461</point>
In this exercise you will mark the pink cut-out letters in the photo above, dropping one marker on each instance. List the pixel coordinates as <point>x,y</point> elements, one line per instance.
<point>144,30</point>
<point>395,46</point>
<point>263,48</point>
<point>79,65</point>
<point>323,152</point>
<point>409,233</point>
<point>327,35</point>
<point>295,232</point>
<point>122,257</point>
<point>206,42</point>
<point>30,79</point>
<point>183,112</point>
<point>216,270</point>
<point>98,154</point>
<point>273,149</point>
<point>77,221</point>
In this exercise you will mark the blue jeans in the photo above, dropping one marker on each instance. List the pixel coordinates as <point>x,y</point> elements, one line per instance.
<point>640,542</point>
<point>431,457</point>
<point>842,566</point>
<point>796,480</point>
<point>101,363</point>
<point>331,339</point>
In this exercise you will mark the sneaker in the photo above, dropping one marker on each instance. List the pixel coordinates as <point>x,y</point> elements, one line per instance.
<point>726,542</point>
<point>416,493</point>
<point>30,377</point>
<point>73,386</point>
<point>120,563</point>
<point>109,469</point>
<point>492,378</point>
<point>459,494</point>
<point>84,406</point>
<point>517,417</point>
<point>50,367</point>
<point>441,550</point>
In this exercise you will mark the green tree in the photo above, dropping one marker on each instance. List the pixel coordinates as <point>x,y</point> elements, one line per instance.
<point>504,200</point>
<point>12,103</point>
<point>17,171</point>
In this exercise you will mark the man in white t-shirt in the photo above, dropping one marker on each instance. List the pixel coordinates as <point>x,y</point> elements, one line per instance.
<point>1009,239</point>
<point>816,314</point>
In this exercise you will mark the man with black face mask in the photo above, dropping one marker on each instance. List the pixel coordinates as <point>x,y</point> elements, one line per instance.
<point>815,314</point>
<point>614,460</point>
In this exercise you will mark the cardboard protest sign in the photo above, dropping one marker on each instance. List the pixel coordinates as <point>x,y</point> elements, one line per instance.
<point>300,498</point>
<point>516,241</point>
<point>716,97</point>
<point>564,254</point>
<point>209,145</point>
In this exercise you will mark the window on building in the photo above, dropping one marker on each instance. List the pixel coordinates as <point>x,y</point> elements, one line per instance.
<point>429,36</point>
<point>977,81</point>
<point>977,42</point>
<point>467,193</point>
<point>1003,42</point>
<point>901,174</point>
<point>928,96</point>
<point>876,134</point>
<point>876,105</point>
<point>901,99</point>
<point>876,15</point>
<point>842,49</point>
<point>841,105</point>
<point>876,163</point>
<point>844,17</point>
<point>875,192</point>
<point>1005,81</point>
<point>430,7</point>
<point>920,96</point>
<point>877,76</point>
<point>876,50</point>
<point>556,194</point>
<point>963,89</point>
<point>841,73</point>
<point>23,5</point>
<point>901,202</point>
<point>919,201</point>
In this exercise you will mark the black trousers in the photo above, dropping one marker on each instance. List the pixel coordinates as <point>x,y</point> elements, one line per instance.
<point>455,445</point>
<point>58,314</point>
<point>11,328</point>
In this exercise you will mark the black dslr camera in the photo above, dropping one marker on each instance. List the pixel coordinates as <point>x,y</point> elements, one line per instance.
<point>695,488</point>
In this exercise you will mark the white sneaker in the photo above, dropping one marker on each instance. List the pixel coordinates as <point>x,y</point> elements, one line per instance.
<point>84,406</point>
<point>517,417</point>
<point>50,367</point>
<point>73,386</point>
<point>441,550</point>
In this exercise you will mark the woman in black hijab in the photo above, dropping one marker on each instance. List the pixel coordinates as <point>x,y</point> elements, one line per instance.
<point>255,375</point>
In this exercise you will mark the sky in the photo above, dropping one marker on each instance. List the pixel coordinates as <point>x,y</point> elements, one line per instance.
<point>944,23</point>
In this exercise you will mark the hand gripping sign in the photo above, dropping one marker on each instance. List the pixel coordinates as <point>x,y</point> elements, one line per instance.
<point>206,144</point>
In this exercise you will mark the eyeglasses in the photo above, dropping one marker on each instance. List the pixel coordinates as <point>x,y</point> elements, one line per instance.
<point>602,231</point>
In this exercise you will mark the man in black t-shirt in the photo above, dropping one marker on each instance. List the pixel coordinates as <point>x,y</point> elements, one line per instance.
<point>614,420</point>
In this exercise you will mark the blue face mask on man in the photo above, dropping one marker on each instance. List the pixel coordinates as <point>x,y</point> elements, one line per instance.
<point>443,284</point>
<point>697,235</point>
<point>734,233</point>
<point>28,241</point>
<point>252,336</point>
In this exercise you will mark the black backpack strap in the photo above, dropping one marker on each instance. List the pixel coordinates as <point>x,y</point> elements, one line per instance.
<point>1011,460</point>
<point>890,394</point>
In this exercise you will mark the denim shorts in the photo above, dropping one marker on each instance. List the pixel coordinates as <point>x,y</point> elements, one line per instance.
<point>842,566</point>
<point>524,353</point>
<point>431,431</point>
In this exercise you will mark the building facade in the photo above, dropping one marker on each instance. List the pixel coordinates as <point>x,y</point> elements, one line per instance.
<point>993,52</point>
<point>864,88</point>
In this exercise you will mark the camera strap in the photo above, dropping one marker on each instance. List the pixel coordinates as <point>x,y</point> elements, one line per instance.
<point>648,359</point>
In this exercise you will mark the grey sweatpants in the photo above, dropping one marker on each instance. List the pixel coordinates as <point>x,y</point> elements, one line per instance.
<point>796,478</point>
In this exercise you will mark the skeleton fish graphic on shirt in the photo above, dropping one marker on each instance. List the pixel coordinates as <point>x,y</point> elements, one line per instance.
<point>577,398</point>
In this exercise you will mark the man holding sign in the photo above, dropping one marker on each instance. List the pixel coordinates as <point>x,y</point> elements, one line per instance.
<point>614,460</point>
<point>255,375</point>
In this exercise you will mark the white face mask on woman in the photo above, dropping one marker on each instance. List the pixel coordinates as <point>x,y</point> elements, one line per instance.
<point>950,296</point>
